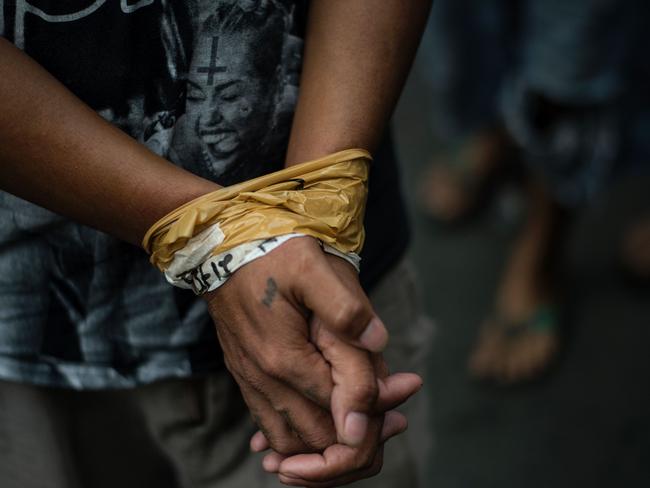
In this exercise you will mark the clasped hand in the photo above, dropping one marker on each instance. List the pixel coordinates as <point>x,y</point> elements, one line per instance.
<point>302,341</point>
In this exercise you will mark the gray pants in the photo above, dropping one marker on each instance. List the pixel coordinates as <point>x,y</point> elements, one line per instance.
<point>190,433</point>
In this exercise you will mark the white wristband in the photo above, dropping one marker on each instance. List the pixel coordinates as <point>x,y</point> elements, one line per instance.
<point>194,267</point>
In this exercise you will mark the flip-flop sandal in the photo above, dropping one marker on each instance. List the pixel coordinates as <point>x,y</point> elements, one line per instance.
<point>543,321</point>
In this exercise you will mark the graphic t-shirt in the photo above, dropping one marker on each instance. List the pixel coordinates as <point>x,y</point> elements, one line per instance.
<point>210,85</point>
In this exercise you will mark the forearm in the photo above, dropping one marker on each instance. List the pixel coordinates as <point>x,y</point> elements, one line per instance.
<point>357,56</point>
<point>58,153</point>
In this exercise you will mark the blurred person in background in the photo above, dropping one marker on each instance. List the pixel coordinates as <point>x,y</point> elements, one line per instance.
<point>541,92</point>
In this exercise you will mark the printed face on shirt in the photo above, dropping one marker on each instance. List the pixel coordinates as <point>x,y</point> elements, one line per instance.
<point>230,100</point>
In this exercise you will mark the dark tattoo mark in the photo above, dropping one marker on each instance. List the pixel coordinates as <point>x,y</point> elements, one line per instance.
<point>271,291</point>
<point>213,68</point>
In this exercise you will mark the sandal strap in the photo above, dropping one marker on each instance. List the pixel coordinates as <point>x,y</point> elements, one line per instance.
<point>544,320</point>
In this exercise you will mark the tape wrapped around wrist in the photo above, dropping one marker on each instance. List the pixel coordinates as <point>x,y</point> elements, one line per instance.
<point>324,199</point>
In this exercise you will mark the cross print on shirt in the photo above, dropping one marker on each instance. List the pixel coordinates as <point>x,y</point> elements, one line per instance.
<point>213,67</point>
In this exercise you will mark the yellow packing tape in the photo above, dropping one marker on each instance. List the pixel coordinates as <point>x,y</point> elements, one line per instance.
<point>324,198</point>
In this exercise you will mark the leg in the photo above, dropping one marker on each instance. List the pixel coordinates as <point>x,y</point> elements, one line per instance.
<point>204,428</point>
<point>511,347</point>
<point>36,449</point>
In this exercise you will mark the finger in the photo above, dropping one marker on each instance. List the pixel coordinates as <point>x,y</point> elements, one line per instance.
<point>310,423</point>
<point>388,399</point>
<point>321,471</point>
<point>341,304</point>
<point>302,368</point>
<point>271,462</point>
<point>259,442</point>
<point>394,423</point>
<point>347,479</point>
<point>341,481</point>
<point>395,389</point>
<point>273,426</point>
<point>355,385</point>
<point>353,396</point>
<point>272,399</point>
<point>304,467</point>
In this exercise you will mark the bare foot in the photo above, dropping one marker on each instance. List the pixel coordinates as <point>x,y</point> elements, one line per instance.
<point>455,178</point>
<point>511,353</point>
<point>520,340</point>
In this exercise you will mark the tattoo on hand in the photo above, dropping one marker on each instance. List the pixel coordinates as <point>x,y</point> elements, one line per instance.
<point>271,291</point>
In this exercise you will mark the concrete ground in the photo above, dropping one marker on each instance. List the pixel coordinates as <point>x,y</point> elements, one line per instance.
<point>587,424</point>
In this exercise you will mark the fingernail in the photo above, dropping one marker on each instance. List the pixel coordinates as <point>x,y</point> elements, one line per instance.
<point>356,425</point>
<point>270,464</point>
<point>375,337</point>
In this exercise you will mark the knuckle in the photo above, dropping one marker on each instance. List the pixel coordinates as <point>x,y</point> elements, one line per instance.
<point>366,393</point>
<point>274,363</point>
<point>348,316</point>
<point>324,339</point>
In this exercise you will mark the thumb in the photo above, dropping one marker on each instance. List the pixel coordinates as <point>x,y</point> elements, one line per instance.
<point>355,389</point>
<point>341,305</point>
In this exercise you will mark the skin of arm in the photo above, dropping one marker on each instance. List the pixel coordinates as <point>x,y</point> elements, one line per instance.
<point>357,57</point>
<point>58,153</point>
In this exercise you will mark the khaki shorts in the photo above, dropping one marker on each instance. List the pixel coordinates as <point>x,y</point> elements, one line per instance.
<point>190,433</point>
